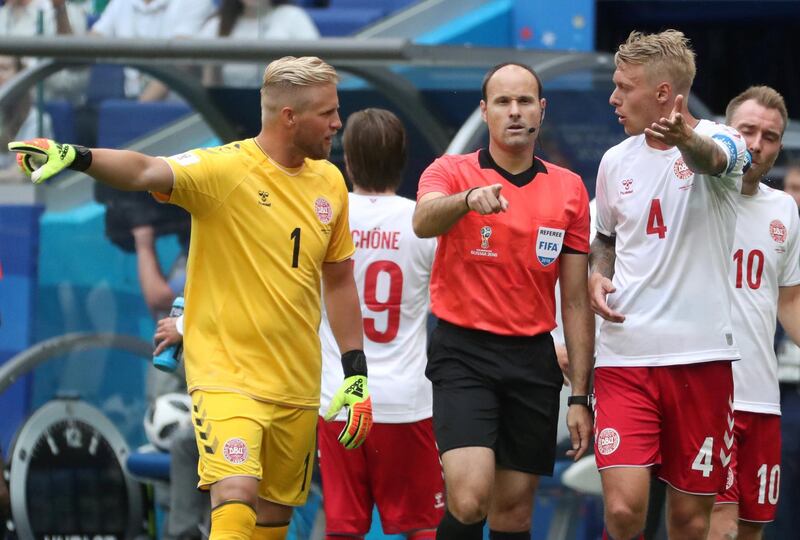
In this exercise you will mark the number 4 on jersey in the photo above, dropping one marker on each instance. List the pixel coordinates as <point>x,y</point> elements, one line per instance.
<point>655,220</point>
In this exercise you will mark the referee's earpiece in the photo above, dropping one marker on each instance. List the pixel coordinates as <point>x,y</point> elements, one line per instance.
<point>542,118</point>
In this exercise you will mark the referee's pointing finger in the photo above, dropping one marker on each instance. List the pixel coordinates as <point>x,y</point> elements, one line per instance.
<point>503,203</point>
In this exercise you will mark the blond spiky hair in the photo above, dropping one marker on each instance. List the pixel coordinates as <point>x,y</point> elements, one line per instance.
<point>290,71</point>
<point>284,79</point>
<point>666,54</point>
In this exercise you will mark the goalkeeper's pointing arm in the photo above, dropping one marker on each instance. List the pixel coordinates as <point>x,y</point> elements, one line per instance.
<point>42,159</point>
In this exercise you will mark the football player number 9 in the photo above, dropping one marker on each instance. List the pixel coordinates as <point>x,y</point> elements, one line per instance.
<point>390,304</point>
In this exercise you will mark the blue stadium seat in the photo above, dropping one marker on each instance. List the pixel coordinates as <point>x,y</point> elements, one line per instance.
<point>344,21</point>
<point>62,114</point>
<point>120,121</point>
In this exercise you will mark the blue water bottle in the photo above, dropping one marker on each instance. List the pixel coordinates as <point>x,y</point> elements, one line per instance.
<point>167,360</point>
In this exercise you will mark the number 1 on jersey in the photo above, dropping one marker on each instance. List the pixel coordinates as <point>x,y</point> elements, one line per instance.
<point>296,250</point>
<point>655,219</point>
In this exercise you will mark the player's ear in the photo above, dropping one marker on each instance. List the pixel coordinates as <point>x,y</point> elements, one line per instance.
<point>483,110</point>
<point>288,117</point>
<point>664,92</point>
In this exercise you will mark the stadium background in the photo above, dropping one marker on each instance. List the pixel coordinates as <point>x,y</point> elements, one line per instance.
<point>65,252</point>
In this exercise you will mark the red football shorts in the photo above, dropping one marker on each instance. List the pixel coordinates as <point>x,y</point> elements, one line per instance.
<point>754,476</point>
<point>397,468</point>
<point>675,417</point>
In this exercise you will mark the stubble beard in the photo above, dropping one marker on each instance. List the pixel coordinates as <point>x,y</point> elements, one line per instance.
<point>315,151</point>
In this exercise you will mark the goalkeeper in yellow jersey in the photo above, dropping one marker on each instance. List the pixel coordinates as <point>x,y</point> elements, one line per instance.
<point>269,225</point>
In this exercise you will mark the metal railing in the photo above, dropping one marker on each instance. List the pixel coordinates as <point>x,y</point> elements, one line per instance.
<point>369,59</point>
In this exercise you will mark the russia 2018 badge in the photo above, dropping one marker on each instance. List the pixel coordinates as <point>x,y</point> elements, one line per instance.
<point>548,244</point>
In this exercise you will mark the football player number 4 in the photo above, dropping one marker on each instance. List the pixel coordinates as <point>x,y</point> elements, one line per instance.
<point>702,462</point>
<point>390,304</point>
<point>655,219</point>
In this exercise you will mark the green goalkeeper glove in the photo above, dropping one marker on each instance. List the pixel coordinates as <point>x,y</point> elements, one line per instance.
<point>353,394</point>
<point>41,159</point>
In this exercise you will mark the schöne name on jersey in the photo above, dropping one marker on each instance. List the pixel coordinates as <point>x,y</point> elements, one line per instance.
<point>376,239</point>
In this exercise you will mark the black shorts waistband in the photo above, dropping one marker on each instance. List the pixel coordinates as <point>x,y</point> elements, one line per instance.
<point>484,335</point>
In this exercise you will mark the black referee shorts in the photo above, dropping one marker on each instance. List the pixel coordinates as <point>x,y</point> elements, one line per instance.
<point>494,391</point>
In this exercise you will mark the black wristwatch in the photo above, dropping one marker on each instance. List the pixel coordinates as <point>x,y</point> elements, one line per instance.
<point>579,400</point>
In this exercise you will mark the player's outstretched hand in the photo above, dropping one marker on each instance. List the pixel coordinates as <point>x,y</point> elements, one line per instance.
<point>672,131</point>
<point>41,159</point>
<point>487,200</point>
<point>579,422</point>
<point>166,334</point>
<point>353,394</point>
<point>599,287</point>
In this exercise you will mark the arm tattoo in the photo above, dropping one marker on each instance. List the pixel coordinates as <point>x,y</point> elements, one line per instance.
<point>603,256</point>
<point>702,155</point>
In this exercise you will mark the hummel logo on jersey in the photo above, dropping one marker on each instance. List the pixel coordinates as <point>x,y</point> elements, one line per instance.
<point>356,389</point>
<point>263,197</point>
<point>627,186</point>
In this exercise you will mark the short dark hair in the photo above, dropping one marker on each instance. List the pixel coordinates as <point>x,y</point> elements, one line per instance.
<point>498,67</point>
<point>375,148</point>
<point>766,96</point>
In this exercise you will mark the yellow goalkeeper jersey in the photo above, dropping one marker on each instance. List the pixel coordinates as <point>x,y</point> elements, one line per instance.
<point>260,234</point>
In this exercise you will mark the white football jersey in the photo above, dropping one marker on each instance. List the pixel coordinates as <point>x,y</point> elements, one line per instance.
<point>765,256</point>
<point>392,272</point>
<point>674,230</point>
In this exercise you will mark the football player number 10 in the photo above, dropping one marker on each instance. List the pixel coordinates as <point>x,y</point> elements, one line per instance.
<point>754,268</point>
<point>774,484</point>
